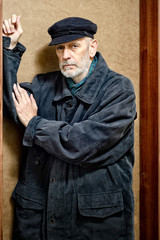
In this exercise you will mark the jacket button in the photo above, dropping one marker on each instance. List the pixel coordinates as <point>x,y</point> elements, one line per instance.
<point>52,220</point>
<point>36,162</point>
<point>53,179</point>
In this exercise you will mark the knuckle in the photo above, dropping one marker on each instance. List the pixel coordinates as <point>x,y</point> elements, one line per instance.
<point>19,110</point>
<point>20,90</point>
<point>14,15</point>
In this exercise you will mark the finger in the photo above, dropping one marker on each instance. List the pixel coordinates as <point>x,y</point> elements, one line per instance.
<point>23,93</point>
<point>18,20</point>
<point>6,23</point>
<point>14,100</point>
<point>18,25</point>
<point>4,29</point>
<point>33,100</point>
<point>11,25</point>
<point>14,18</point>
<point>17,93</point>
<point>17,105</point>
<point>34,104</point>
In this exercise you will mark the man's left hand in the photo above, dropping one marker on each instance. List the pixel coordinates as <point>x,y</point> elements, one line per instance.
<point>26,106</point>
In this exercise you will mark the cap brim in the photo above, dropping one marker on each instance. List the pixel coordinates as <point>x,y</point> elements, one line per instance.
<point>65,38</point>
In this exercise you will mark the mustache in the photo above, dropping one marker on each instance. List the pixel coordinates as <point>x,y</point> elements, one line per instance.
<point>68,62</point>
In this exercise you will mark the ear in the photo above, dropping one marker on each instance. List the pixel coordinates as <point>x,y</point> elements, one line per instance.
<point>93,48</point>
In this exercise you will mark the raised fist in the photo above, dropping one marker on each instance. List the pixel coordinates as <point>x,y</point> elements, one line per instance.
<point>12,28</point>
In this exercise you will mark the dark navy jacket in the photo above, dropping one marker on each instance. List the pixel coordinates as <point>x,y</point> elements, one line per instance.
<point>76,170</point>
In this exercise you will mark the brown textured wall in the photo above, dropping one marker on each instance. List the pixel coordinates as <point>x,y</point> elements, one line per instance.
<point>118,36</point>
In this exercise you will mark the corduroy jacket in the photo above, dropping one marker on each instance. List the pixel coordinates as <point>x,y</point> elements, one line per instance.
<point>76,171</point>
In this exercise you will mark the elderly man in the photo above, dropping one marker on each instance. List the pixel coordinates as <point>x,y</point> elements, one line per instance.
<point>76,171</point>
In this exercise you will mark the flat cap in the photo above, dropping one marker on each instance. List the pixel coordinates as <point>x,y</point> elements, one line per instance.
<point>70,29</point>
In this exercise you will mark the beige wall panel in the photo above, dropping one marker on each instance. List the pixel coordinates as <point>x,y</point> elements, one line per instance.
<point>118,36</point>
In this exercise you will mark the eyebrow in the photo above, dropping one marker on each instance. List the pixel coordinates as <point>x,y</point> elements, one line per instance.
<point>72,43</point>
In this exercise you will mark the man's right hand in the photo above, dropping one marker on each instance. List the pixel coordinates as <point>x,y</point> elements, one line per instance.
<point>12,28</point>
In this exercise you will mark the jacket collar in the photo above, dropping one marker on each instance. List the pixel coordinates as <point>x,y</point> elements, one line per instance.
<point>92,86</point>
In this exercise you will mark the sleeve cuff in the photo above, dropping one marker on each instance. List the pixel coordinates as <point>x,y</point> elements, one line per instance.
<point>18,50</point>
<point>6,42</point>
<point>30,131</point>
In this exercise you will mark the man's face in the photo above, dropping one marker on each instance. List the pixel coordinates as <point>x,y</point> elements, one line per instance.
<point>74,58</point>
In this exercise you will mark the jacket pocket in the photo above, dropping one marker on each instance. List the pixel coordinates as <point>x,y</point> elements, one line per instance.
<point>29,197</point>
<point>100,205</point>
<point>101,216</point>
<point>29,212</point>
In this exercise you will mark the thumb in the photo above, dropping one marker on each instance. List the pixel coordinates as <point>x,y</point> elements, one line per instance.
<point>18,25</point>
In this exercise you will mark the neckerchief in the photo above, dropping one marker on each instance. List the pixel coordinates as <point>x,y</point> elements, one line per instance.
<point>75,87</point>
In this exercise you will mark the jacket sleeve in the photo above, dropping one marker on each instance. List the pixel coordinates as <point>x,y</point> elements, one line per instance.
<point>11,61</point>
<point>102,139</point>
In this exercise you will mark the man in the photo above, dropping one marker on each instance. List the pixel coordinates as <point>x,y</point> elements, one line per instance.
<point>76,171</point>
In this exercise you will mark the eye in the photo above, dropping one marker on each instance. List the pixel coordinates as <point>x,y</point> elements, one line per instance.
<point>59,48</point>
<point>74,45</point>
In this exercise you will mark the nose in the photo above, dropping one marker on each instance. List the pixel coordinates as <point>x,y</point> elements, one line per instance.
<point>66,54</point>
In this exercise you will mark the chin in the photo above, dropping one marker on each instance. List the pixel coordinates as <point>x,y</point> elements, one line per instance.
<point>69,73</point>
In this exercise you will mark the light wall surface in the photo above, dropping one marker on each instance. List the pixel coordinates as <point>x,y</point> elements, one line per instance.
<point>118,38</point>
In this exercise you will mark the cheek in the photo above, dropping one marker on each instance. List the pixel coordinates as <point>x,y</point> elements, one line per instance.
<point>78,58</point>
<point>58,56</point>
<point>59,59</point>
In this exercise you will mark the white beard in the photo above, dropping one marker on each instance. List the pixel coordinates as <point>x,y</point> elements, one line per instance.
<point>80,68</point>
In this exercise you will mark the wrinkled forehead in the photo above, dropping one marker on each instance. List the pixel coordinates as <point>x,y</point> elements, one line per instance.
<point>81,41</point>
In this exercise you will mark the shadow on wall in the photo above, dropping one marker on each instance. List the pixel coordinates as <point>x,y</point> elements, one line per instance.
<point>46,59</point>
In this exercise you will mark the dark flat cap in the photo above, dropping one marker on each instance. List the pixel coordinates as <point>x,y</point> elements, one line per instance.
<point>70,29</point>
